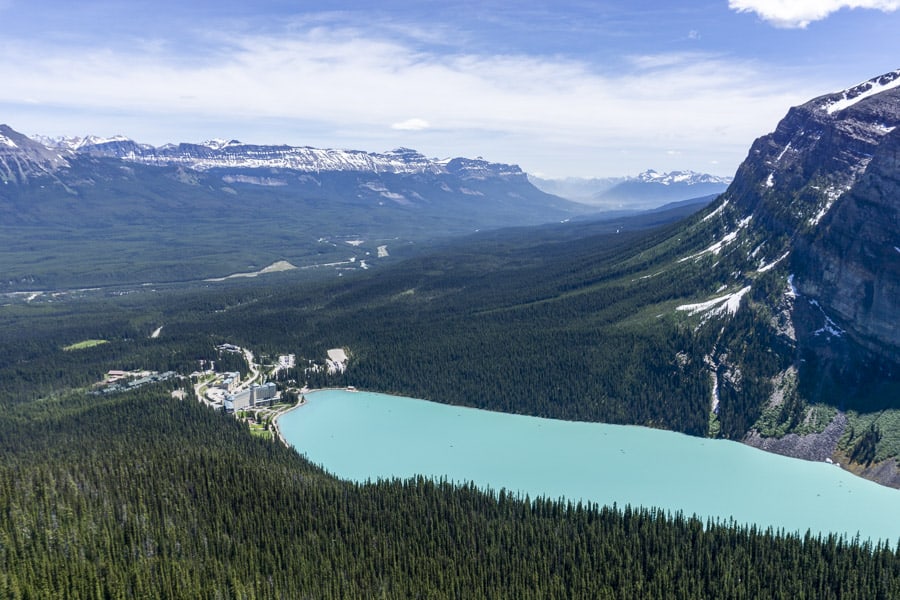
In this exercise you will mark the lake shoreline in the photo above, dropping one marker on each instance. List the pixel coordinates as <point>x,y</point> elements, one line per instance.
<point>300,404</point>
<point>814,447</point>
<point>362,436</point>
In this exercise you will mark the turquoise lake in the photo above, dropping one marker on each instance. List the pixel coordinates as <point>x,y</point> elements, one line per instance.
<point>361,436</point>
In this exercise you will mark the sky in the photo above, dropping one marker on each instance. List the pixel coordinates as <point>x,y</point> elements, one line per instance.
<point>563,88</point>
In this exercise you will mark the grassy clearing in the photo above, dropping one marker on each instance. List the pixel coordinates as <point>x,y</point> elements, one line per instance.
<point>260,431</point>
<point>84,344</point>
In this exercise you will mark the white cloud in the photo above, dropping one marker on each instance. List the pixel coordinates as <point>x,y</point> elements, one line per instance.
<point>800,13</point>
<point>414,124</point>
<point>346,85</point>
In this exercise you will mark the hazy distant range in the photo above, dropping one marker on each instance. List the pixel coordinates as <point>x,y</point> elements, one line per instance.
<point>647,190</point>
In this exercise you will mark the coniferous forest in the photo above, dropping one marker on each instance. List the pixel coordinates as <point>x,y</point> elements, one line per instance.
<point>138,494</point>
<point>143,496</point>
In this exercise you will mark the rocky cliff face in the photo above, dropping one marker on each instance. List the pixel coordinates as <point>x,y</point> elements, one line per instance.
<point>823,191</point>
<point>809,234</point>
<point>851,263</point>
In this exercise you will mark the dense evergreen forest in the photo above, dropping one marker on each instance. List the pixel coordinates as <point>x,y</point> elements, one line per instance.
<point>143,496</point>
<point>140,495</point>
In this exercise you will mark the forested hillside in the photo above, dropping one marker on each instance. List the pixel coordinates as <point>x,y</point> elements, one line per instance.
<point>141,495</point>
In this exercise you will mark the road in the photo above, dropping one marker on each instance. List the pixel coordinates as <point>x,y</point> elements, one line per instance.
<point>200,386</point>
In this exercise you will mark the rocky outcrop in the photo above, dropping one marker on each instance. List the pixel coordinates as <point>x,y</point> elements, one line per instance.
<point>814,446</point>
<point>886,472</point>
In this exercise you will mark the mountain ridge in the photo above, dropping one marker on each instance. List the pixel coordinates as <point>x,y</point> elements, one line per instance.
<point>801,183</point>
<point>221,153</point>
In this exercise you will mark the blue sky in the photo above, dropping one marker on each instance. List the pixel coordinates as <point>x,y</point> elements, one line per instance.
<point>562,88</point>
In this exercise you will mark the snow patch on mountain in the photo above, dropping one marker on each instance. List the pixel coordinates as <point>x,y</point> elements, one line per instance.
<point>263,181</point>
<point>727,304</point>
<point>218,143</point>
<point>768,267</point>
<point>783,152</point>
<point>791,291</point>
<point>831,196</point>
<point>830,328</point>
<point>717,246</point>
<point>398,198</point>
<point>717,211</point>
<point>851,96</point>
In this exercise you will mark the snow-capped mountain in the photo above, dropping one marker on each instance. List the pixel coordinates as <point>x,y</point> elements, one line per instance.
<point>792,280</point>
<point>651,188</point>
<point>680,178</point>
<point>75,143</point>
<point>820,197</point>
<point>22,158</point>
<point>646,190</point>
<point>233,154</point>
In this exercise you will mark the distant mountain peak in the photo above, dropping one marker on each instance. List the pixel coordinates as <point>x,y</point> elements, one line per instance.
<point>22,158</point>
<point>682,177</point>
<point>649,189</point>
<point>75,143</point>
<point>219,143</point>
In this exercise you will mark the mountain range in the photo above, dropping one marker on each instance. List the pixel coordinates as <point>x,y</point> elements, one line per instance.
<point>183,209</point>
<point>646,190</point>
<point>103,198</point>
<point>23,159</point>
